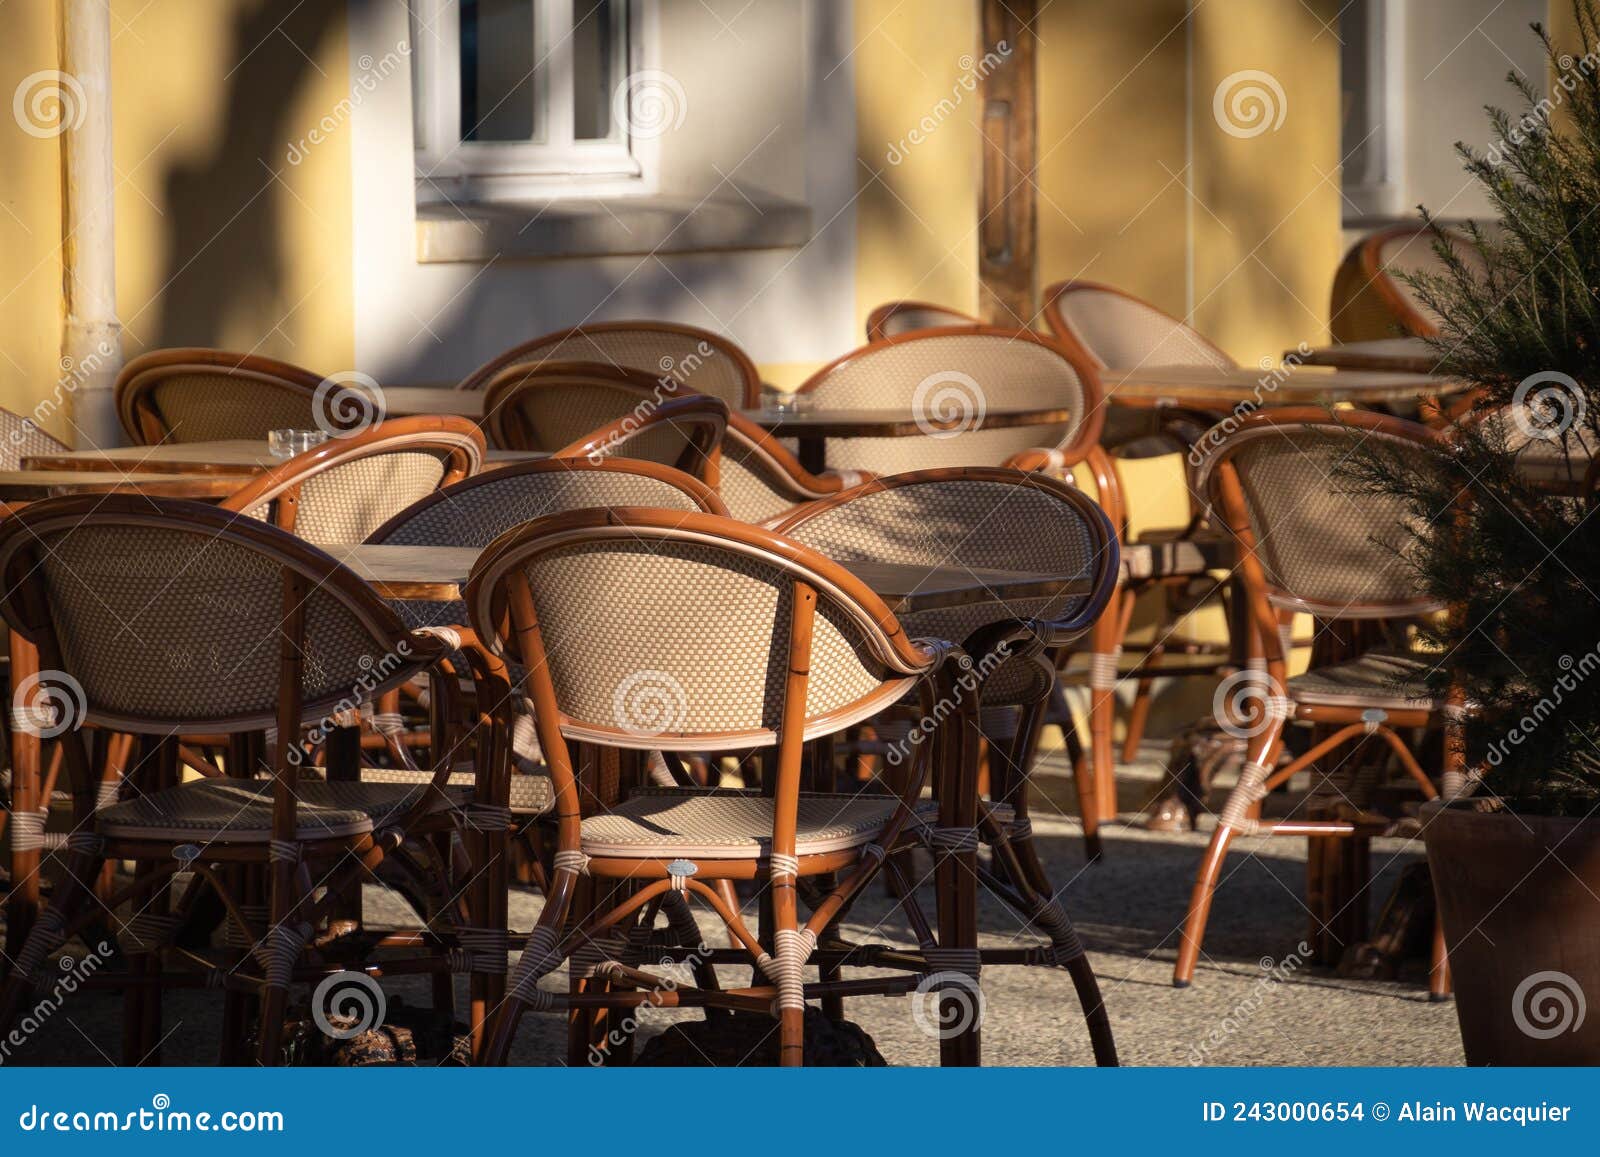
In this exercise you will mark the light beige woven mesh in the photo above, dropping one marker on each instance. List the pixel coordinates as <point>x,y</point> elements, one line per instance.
<point>906,320</point>
<point>1125,334</point>
<point>730,826</point>
<point>478,513</point>
<point>1382,678</point>
<point>964,522</point>
<point>20,438</point>
<point>346,503</point>
<point>240,811</point>
<point>749,484</point>
<point>685,359</point>
<point>669,443</point>
<point>1315,540</point>
<point>531,794</point>
<point>166,624</point>
<point>670,636</point>
<point>203,406</point>
<point>967,370</point>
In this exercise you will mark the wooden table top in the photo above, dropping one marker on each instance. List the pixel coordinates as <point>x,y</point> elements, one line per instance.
<point>438,573</point>
<point>898,423</point>
<point>1403,355</point>
<point>1208,389</point>
<point>411,401</point>
<point>32,485</point>
<point>238,458</point>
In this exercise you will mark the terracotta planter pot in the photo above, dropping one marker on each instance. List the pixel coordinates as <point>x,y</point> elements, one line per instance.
<point>1520,900</point>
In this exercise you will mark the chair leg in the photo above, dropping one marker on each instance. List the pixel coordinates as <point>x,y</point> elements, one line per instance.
<point>1234,816</point>
<point>1105,645</point>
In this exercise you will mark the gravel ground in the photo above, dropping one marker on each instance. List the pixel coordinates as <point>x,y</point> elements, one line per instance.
<point>1127,908</point>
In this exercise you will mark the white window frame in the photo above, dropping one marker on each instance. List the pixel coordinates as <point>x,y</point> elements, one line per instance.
<point>553,159</point>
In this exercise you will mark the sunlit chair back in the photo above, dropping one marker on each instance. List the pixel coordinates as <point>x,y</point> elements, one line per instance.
<point>203,395</point>
<point>344,489</point>
<point>678,357</point>
<point>1372,302</point>
<point>1116,330</point>
<point>950,378</point>
<point>893,318</point>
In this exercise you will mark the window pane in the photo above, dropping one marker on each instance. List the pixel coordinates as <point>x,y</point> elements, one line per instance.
<point>599,45</point>
<point>497,63</point>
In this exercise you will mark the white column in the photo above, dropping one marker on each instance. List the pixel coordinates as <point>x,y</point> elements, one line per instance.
<point>92,338</point>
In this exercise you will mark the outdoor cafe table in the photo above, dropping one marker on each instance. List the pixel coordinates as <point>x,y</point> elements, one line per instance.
<point>437,574</point>
<point>813,428</point>
<point>239,458</point>
<point>1402,355</point>
<point>32,485</point>
<point>1212,390</point>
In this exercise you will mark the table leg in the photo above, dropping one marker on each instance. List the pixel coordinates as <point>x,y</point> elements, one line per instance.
<point>22,906</point>
<point>813,454</point>
<point>957,872</point>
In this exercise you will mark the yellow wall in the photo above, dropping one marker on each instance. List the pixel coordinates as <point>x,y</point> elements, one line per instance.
<point>220,240</point>
<point>916,219</point>
<point>30,224</point>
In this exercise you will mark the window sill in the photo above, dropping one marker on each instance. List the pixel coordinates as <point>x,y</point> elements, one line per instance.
<point>481,231</point>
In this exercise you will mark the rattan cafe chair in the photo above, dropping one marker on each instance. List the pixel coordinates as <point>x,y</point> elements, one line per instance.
<point>676,357</point>
<point>1307,546</point>
<point>170,617</point>
<point>1116,330</point>
<point>893,318</point>
<point>476,511</point>
<point>1372,301</point>
<point>684,433</point>
<point>344,489</point>
<point>204,395</point>
<point>654,630</point>
<point>996,519</point>
<point>762,482</point>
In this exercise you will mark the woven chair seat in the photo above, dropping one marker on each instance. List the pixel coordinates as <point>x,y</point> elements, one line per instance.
<point>240,811</point>
<point>1169,553</point>
<point>531,795</point>
<point>727,825</point>
<point>1391,680</point>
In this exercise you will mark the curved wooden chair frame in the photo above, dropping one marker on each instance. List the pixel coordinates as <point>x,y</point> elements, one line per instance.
<point>1062,330</point>
<point>890,318</point>
<point>528,354</point>
<point>457,441</point>
<point>768,457</point>
<point>292,909</point>
<point>700,420</point>
<point>1269,606</point>
<point>500,600</point>
<point>136,385</point>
